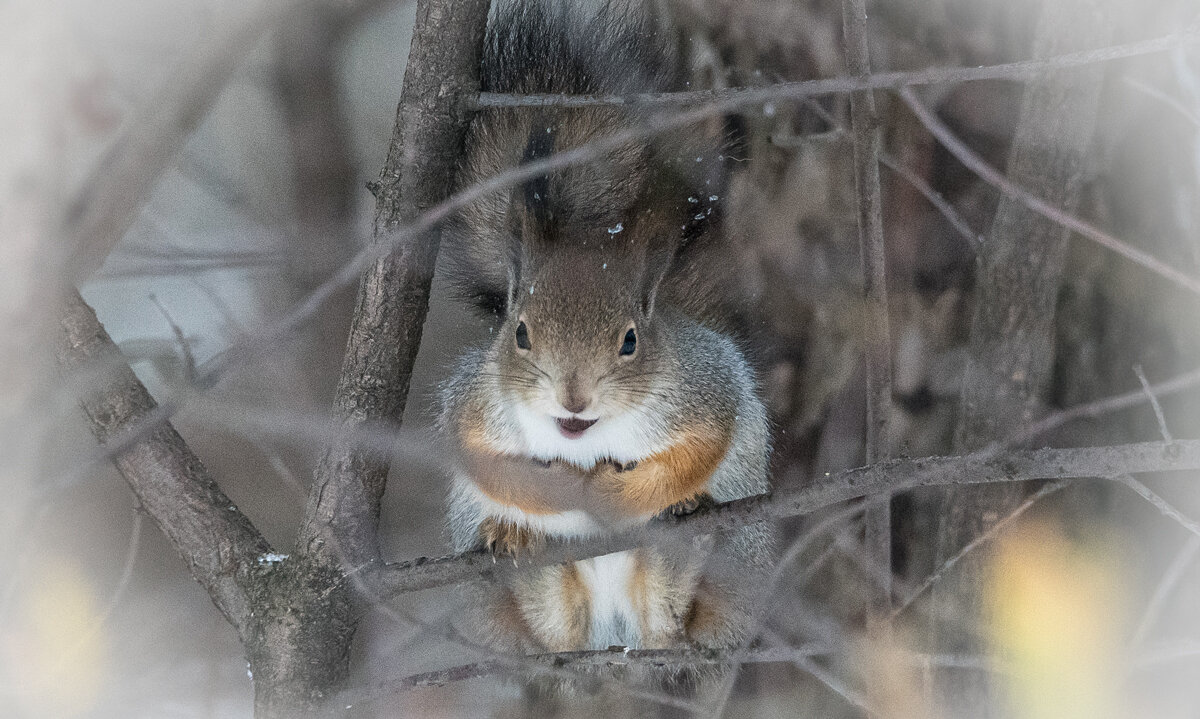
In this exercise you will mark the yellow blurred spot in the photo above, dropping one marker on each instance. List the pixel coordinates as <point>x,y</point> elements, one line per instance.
<point>54,650</point>
<point>1056,621</point>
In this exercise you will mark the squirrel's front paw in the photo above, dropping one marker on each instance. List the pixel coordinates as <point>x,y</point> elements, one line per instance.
<point>507,539</point>
<point>616,466</point>
<point>688,506</point>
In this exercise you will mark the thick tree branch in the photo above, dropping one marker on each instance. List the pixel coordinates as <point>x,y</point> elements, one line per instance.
<point>443,66</point>
<point>218,543</point>
<point>1011,346</point>
<point>891,475</point>
<point>301,652</point>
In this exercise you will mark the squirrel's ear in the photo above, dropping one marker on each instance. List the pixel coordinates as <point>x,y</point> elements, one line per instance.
<point>512,290</point>
<point>657,264</point>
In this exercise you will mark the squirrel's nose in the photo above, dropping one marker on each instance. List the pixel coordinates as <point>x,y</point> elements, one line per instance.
<point>572,397</point>
<point>575,407</point>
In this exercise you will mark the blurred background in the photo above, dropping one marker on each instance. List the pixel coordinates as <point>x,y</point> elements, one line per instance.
<point>1090,593</point>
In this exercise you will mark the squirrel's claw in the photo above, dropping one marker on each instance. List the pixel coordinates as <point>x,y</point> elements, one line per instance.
<point>688,506</point>
<point>506,539</point>
<point>619,466</point>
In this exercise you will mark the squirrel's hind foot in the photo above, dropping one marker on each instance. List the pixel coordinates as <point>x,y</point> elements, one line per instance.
<point>503,538</point>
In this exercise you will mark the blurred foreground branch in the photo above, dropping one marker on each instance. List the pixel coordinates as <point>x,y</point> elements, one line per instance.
<point>745,96</point>
<point>113,194</point>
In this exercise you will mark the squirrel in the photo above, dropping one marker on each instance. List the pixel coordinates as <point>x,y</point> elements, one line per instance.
<point>613,391</point>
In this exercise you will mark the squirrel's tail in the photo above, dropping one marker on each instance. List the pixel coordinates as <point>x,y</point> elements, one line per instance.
<point>577,47</point>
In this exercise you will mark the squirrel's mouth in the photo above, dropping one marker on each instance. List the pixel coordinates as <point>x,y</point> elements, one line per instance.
<point>573,427</point>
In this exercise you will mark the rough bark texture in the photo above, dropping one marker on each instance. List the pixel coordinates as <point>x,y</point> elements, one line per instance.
<point>302,644</point>
<point>218,543</point>
<point>443,68</point>
<point>1012,334</point>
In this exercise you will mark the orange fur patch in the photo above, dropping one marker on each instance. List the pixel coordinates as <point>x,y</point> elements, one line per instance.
<point>669,477</point>
<point>707,621</point>
<point>576,607</point>
<point>503,479</point>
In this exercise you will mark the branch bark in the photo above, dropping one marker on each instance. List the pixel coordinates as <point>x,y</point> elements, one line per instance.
<point>888,476</point>
<point>217,542</point>
<point>872,257</point>
<point>301,651</point>
<point>443,67</point>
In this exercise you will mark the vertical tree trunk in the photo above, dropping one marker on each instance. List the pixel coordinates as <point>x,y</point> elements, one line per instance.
<point>1012,333</point>
<point>300,651</point>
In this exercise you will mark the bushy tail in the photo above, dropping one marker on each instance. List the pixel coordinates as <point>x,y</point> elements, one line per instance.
<point>609,47</point>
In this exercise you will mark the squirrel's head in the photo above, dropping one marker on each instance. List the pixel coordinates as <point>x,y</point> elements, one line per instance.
<point>581,343</point>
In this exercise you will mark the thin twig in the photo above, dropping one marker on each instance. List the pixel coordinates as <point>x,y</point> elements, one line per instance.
<point>1167,652</point>
<point>1166,508</point>
<point>1183,559</point>
<point>973,238</point>
<point>997,179</point>
<point>181,340</point>
<point>746,96</point>
<point>975,543</point>
<point>1158,410</point>
<point>864,123</point>
<point>837,686</point>
<point>1100,407</point>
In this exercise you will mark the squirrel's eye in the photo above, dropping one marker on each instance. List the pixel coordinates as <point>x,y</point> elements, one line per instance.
<point>630,344</point>
<point>522,336</point>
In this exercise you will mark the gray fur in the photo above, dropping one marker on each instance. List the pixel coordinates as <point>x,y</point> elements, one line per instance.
<point>605,244</point>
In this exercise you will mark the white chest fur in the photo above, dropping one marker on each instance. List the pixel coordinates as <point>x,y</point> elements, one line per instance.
<point>631,436</point>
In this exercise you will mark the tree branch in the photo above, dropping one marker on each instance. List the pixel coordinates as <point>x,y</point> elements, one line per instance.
<point>443,66</point>
<point>892,475</point>
<point>616,660</point>
<point>1019,273</point>
<point>1091,410</point>
<point>405,234</point>
<point>733,98</point>
<point>218,543</point>
<point>1014,190</point>
<point>864,123</point>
